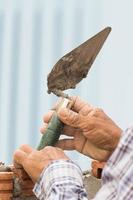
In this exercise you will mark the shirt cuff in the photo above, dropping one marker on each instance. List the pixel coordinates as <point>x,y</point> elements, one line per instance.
<point>58,172</point>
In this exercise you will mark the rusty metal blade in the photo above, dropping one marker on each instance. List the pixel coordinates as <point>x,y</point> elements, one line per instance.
<point>75,65</point>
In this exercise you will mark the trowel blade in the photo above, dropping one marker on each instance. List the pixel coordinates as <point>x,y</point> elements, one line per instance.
<point>75,65</point>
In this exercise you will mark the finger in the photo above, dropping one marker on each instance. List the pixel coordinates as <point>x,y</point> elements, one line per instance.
<point>20,157</point>
<point>79,104</point>
<point>43,128</point>
<point>69,117</point>
<point>94,163</point>
<point>66,144</point>
<point>98,112</point>
<point>58,149</point>
<point>87,109</point>
<point>26,148</point>
<point>48,116</point>
<point>47,150</point>
<point>70,131</point>
<point>67,130</point>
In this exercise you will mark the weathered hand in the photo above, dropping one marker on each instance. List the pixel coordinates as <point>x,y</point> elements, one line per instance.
<point>34,161</point>
<point>94,133</point>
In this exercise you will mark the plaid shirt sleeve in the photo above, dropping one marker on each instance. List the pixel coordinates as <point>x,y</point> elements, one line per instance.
<point>62,180</point>
<point>117,175</point>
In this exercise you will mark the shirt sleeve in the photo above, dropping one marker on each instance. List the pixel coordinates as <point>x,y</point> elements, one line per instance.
<point>117,176</point>
<point>61,180</point>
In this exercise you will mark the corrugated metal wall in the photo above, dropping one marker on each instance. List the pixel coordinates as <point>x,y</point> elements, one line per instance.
<point>33,36</point>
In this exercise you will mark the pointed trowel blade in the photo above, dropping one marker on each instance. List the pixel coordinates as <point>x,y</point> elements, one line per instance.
<point>74,66</point>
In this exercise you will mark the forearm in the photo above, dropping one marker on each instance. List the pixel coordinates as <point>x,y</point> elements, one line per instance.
<point>61,180</point>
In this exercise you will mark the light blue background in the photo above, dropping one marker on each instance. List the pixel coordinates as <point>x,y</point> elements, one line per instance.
<point>34,34</point>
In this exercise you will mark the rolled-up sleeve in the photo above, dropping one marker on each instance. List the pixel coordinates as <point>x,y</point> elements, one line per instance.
<point>61,180</point>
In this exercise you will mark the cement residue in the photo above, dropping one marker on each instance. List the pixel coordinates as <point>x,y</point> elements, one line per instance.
<point>92,184</point>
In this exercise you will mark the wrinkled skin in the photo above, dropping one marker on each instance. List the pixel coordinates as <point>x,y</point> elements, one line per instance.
<point>93,133</point>
<point>34,162</point>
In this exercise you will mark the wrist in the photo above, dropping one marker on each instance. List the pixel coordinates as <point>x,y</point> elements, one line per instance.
<point>58,172</point>
<point>62,170</point>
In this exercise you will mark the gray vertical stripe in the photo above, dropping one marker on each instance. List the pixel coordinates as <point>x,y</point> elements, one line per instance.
<point>14,69</point>
<point>57,40</point>
<point>1,48</point>
<point>35,77</point>
<point>54,22</point>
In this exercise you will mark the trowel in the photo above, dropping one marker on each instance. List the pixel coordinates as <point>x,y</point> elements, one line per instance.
<point>66,74</point>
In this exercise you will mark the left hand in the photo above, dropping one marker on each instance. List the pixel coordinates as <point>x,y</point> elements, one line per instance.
<point>92,132</point>
<point>34,161</point>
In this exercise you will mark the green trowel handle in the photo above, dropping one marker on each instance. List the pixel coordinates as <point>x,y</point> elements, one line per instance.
<point>55,126</point>
<point>52,134</point>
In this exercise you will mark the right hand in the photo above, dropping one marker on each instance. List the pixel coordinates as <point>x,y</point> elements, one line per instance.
<point>94,133</point>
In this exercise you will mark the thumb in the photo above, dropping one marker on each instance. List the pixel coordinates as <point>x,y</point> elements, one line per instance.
<point>69,117</point>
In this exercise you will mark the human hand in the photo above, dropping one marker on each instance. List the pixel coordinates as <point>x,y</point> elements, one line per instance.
<point>34,161</point>
<point>94,133</point>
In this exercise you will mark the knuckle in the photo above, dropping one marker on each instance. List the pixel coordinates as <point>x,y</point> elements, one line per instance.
<point>86,109</point>
<point>78,98</point>
<point>59,149</point>
<point>73,117</point>
<point>23,146</point>
<point>43,128</point>
<point>75,98</point>
<point>33,154</point>
<point>48,116</point>
<point>91,122</point>
<point>98,111</point>
<point>16,154</point>
<point>48,148</point>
